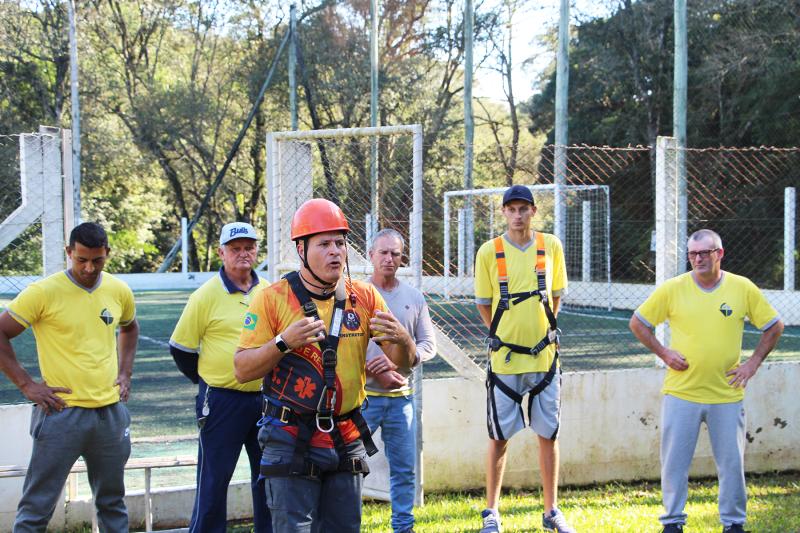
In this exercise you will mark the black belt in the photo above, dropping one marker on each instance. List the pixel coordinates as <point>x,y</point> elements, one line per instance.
<point>352,465</point>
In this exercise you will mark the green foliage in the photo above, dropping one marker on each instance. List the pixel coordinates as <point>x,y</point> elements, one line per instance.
<point>744,76</point>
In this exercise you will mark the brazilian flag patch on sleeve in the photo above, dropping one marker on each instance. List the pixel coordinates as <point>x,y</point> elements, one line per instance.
<point>250,321</point>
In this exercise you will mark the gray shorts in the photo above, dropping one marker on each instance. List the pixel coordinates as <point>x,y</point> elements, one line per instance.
<point>504,416</point>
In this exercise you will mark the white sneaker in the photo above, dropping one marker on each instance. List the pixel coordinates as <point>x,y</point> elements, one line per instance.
<point>491,521</point>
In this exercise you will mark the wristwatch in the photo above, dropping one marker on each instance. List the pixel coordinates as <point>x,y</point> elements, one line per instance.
<point>281,344</point>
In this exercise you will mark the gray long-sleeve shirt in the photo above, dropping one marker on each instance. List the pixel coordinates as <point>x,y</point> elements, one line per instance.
<point>409,306</point>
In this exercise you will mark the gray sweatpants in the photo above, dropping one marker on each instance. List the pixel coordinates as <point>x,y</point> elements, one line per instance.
<point>680,427</point>
<point>102,437</point>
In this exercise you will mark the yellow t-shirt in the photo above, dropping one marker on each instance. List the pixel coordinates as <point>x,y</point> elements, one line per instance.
<point>297,379</point>
<point>210,325</point>
<point>706,328</point>
<point>76,334</point>
<point>525,323</point>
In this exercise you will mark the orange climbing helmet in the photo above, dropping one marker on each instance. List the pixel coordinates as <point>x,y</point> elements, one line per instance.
<point>317,216</point>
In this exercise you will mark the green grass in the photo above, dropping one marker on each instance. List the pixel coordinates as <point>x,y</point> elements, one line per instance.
<point>773,507</point>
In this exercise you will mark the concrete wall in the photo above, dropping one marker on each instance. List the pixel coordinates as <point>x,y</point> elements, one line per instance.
<point>610,431</point>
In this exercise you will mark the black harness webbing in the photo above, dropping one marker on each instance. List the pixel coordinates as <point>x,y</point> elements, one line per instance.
<point>504,304</point>
<point>323,419</point>
<point>301,465</point>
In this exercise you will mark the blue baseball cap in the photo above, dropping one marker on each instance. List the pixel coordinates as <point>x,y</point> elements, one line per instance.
<point>518,192</point>
<point>237,230</point>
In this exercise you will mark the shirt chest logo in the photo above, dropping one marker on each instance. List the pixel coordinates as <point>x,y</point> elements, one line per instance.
<point>726,310</point>
<point>106,316</point>
<point>351,320</point>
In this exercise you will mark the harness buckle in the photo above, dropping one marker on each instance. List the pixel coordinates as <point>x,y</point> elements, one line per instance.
<point>310,309</point>
<point>555,336</point>
<point>285,413</point>
<point>356,465</point>
<point>327,401</point>
<point>329,358</point>
<point>492,343</point>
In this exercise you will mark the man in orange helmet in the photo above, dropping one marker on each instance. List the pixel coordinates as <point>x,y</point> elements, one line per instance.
<point>307,336</point>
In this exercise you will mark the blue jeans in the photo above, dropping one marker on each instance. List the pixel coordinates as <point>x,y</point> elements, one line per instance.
<point>395,417</point>
<point>300,504</point>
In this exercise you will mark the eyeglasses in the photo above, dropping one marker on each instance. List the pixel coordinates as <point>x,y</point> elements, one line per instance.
<point>702,254</point>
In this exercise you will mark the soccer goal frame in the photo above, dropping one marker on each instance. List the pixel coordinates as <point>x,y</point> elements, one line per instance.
<point>586,236</point>
<point>282,145</point>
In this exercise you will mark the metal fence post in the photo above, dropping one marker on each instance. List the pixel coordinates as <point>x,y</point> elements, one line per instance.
<point>789,249</point>
<point>666,218</point>
<point>273,210</point>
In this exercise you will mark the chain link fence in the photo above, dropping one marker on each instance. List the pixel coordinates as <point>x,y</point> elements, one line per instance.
<point>31,209</point>
<point>610,240</point>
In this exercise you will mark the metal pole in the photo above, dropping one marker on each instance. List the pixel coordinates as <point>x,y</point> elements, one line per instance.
<point>66,171</point>
<point>679,97</point>
<point>469,139</point>
<point>789,242</point>
<point>373,115</point>
<point>184,246</point>
<point>416,211</point>
<point>273,210</point>
<point>446,265</point>
<point>461,239</point>
<point>608,246</point>
<point>76,114</point>
<point>561,137</point>
<point>586,241</point>
<point>293,65</point>
<point>416,264</point>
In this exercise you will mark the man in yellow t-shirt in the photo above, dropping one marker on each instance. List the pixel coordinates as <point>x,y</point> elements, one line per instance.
<point>705,381</point>
<point>523,347</point>
<point>80,410</point>
<point>307,336</point>
<point>203,345</point>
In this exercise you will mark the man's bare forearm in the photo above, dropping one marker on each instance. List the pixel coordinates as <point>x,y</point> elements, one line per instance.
<point>128,339</point>
<point>767,342</point>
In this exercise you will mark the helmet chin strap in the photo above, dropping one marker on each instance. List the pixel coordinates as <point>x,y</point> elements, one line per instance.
<point>325,285</point>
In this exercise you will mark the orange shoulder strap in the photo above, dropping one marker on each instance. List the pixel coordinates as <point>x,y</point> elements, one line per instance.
<point>500,256</point>
<point>541,264</point>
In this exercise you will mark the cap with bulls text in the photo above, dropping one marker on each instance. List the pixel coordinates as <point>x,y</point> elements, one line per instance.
<point>237,230</point>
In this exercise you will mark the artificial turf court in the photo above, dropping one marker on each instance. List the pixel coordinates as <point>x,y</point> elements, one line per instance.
<point>162,400</point>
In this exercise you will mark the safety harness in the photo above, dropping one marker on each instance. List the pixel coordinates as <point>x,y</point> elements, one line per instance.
<point>507,299</point>
<point>323,419</point>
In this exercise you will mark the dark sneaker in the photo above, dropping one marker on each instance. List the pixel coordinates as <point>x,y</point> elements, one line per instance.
<point>734,528</point>
<point>491,521</point>
<point>556,522</point>
<point>672,528</point>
